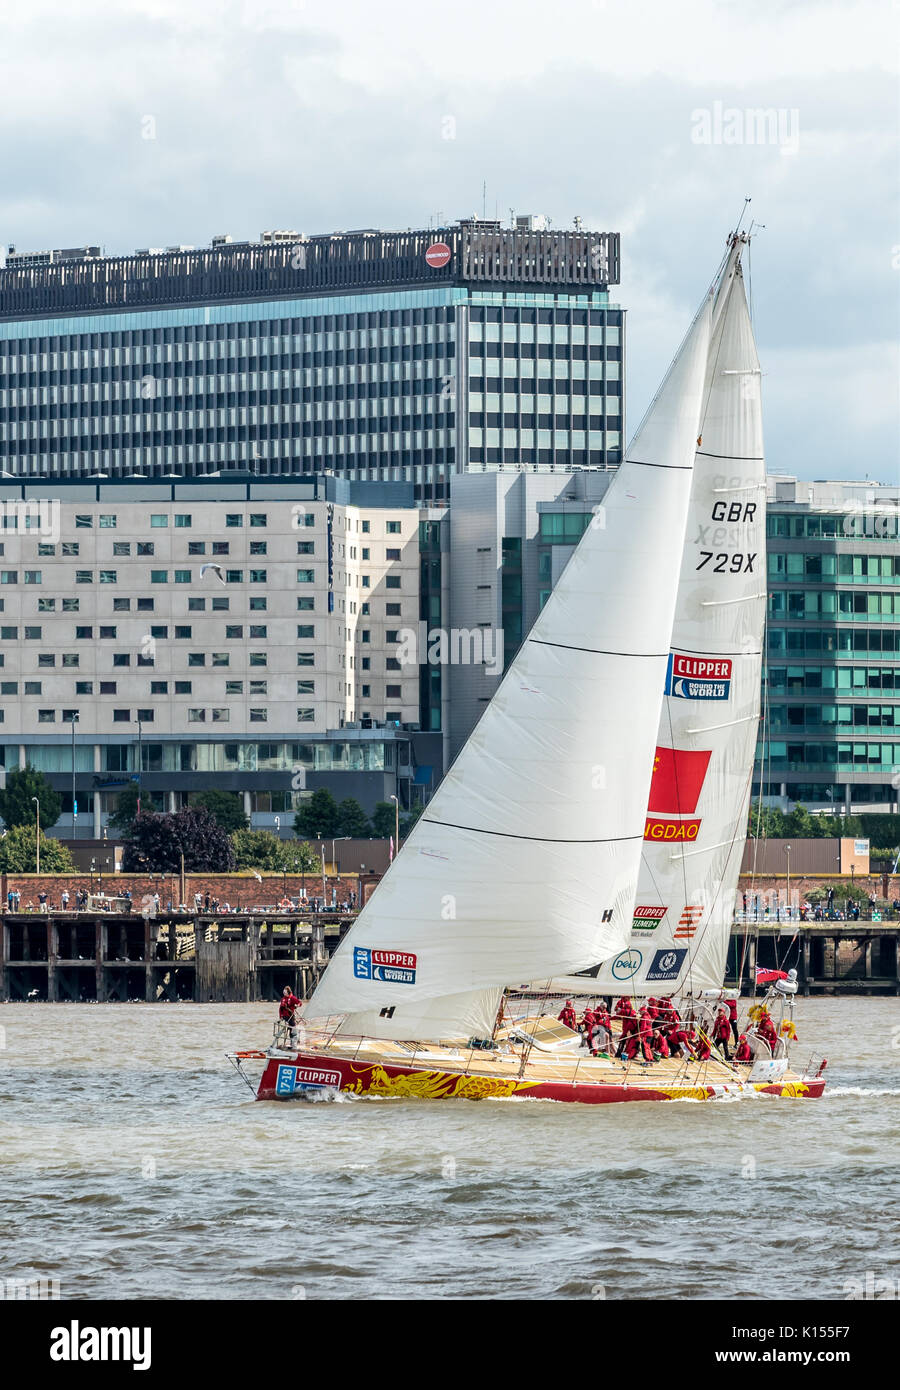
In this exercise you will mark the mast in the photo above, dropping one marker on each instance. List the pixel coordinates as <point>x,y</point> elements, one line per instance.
<point>525,862</point>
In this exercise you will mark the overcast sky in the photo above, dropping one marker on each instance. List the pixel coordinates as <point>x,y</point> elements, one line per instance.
<point>153,122</point>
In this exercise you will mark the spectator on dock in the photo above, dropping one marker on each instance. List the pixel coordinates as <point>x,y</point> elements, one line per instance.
<point>64,900</point>
<point>42,899</point>
<point>9,900</point>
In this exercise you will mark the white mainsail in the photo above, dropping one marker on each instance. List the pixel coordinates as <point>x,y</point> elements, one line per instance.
<point>525,862</point>
<point>697,812</point>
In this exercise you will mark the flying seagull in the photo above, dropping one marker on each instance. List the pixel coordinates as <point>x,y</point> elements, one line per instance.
<point>217,570</point>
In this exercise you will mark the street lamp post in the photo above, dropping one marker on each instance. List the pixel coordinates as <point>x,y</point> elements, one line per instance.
<point>74,802</point>
<point>787,850</point>
<point>396,824</point>
<point>37,834</point>
<point>324,889</point>
<point>140,763</point>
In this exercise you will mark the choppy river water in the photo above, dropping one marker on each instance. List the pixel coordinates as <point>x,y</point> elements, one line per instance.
<point>136,1164</point>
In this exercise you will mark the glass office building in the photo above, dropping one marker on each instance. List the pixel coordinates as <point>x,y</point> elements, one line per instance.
<point>832,683</point>
<point>357,354</point>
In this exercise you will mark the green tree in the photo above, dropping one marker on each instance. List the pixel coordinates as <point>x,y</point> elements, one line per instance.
<point>225,807</point>
<point>126,808</point>
<point>317,817</point>
<point>410,818</point>
<point>300,857</point>
<point>17,853</point>
<point>352,819</point>
<point>16,804</point>
<point>383,820</point>
<point>156,843</point>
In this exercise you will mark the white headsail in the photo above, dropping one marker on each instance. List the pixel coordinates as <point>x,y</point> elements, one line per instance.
<point>525,862</point>
<point>699,796</point>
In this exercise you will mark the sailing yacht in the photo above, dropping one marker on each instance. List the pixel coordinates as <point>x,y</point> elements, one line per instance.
<point>587,840</point>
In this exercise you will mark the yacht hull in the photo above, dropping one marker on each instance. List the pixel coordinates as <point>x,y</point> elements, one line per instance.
<point>291,1074</point>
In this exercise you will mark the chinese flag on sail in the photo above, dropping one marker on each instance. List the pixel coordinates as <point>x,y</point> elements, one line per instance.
<point>677,781</point>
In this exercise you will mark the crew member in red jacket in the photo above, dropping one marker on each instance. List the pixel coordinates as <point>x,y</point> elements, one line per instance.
<point>286,1006</point>
<point>732,1017</point>
<point>722,1032</point>
<point>742,1052</point>
<point>587,1027</point>
<point>624,1011</point>
<point>680,1040</point>
<point>703,1051</point>
<point>766,1030</point>
<point>602,1027</point>
<point>566,1015</point>
<point>645,1033</point>
<point>659,1044</point>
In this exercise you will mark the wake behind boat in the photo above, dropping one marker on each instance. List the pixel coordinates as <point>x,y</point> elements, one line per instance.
<point>592,825</point>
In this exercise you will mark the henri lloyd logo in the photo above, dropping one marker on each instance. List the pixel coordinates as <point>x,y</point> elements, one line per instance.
<point>647,919</point>
<point>698,678</point>
<point>77,1343</point>
<point>666,964</point>
<point>291,1079</point>
<point>389,967</point>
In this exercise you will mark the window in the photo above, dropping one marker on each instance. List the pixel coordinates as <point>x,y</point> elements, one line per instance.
<point>182,576</point>
<point>84,634</point>
<point>70,547</point>
<point>259,688</point>
<point>258,547</point>
<point>108,577</point>
<point>366,663</point>
<point>305,604</point>
<point>108,523</point>
<point>392,610</point>
<point>196,716</point>
<point>46,605</point>
<point>32,576</point>
<point>233,519</point>
<point>159,519</point>
<point>159,576</point>
<point>121,547</point>
<point>366,528</point>
<point>32,634</point>
<point>196,658</point>
<point>83,523</point>
<point>366,634</point>
<point>145,548</point>
<point>393,528</point>
<point>305,659</point>
<point>306,716</point>
<point>107,687</point>
<point>108,632</point>
<point>42,550</point>
<point>46,716</point>
<point>365,581</point>
<point>304,576</point>
<point>258,659</point>
<point>84,577</point>
<point>234,576</point>
<point>9,576</point>
<point>182,521</point>
<point>306,548</point>
<point>123,605</point>
<point>220,658</point>
<point>258,631</point>
<point>84,688</point>
<point>221,547</point>
<point>9,687</point>
<point>121,716</point>
<point>145,716</point>
<point>306,687</point>
<point>234,687</point>
<point>392,554</point>
<point>258,716</point>
<point>258,576</point>
<point>367,691</point>
<point>392,716</point>
<point>365,552</point>
<point>159,630</point>
<point>234,632</point>
<point>9,634</point>
<point>182,687</point>
<point>159,687</point>
<point>182,632</point>
<point>392,692</point>
<point>392,664</point>
<point>392,635</point>
<point>121,658</point>
<point>258,519</point>
<point>306,630</point>
<point>220,716</point>
<point>257,604</point>
<point>70,659</point>
<point>196,605</point>
<point>196,547</point>
<point>33,688</point>
<point>46,659</point>
<point>220,605</point>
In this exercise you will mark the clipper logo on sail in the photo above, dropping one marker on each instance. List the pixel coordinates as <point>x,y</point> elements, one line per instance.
<point>675,788</point>
<point>698,678</point>
<point>388,967</point>
<point>647,919</point>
